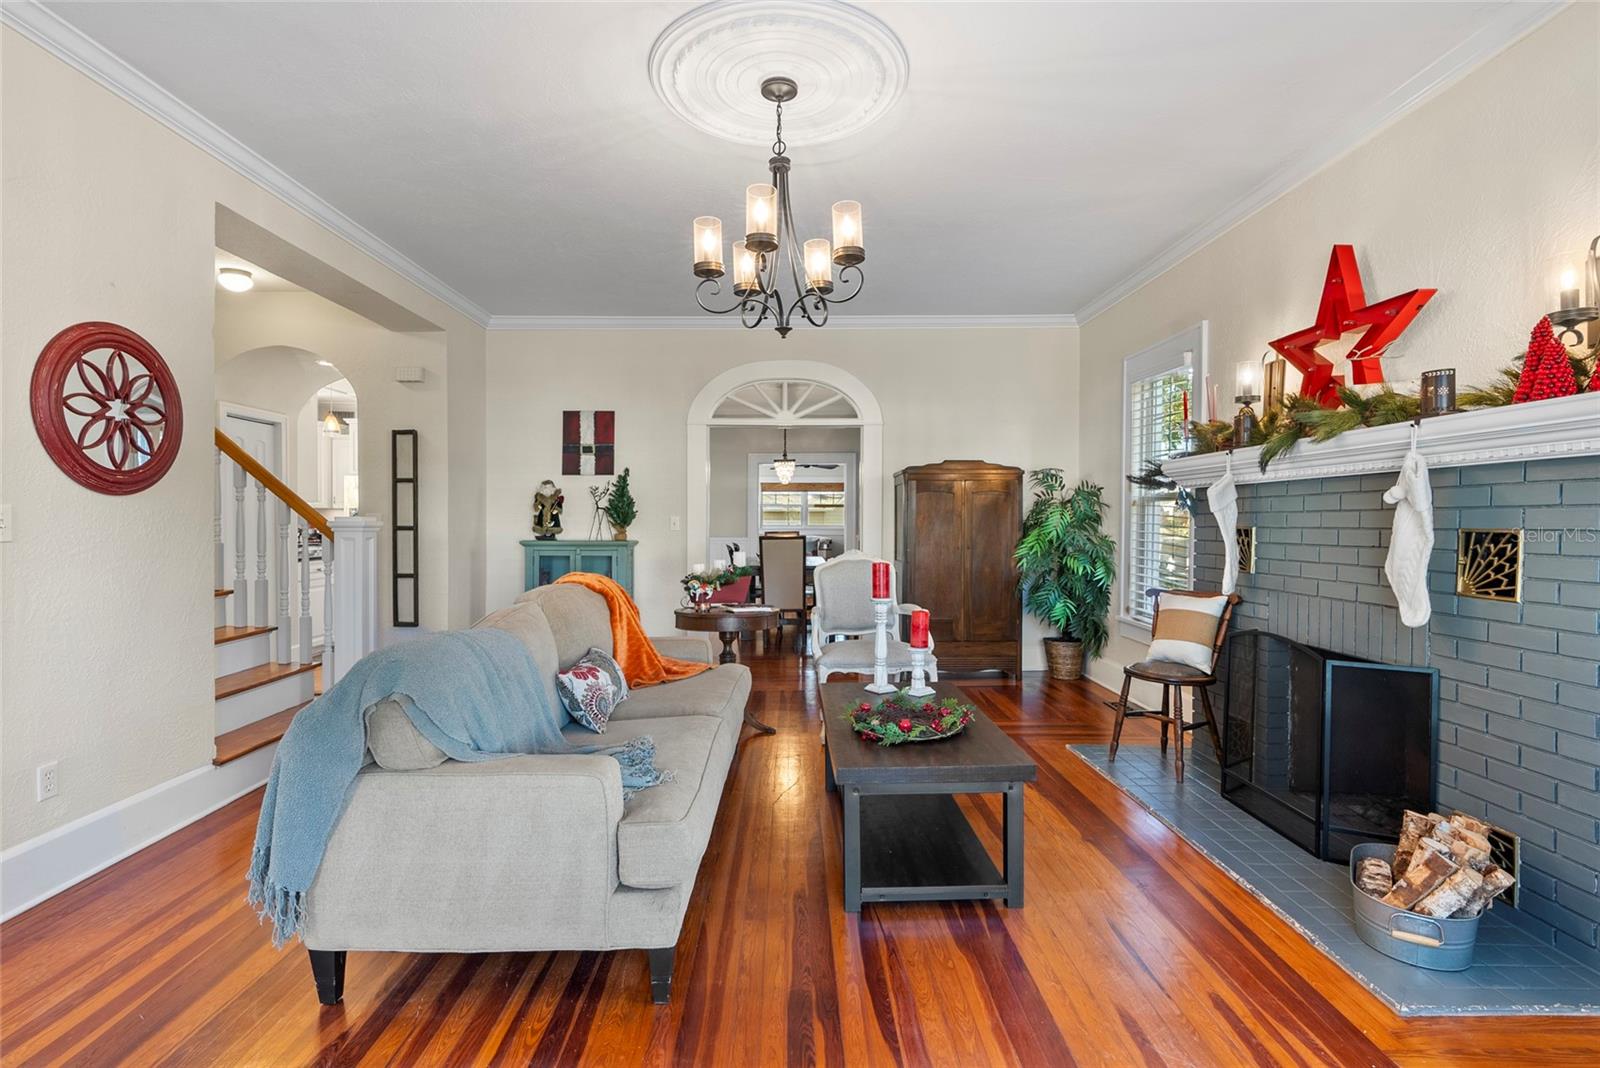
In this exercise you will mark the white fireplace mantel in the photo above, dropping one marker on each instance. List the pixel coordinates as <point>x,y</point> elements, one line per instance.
<point>1565,426</point>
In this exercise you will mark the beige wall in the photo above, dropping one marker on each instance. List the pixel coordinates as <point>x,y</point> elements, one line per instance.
<point>730,466</point>
<point>1485,192</point>
<point>1005,395</point>
<point>105,602</point>
<point>283,381</point>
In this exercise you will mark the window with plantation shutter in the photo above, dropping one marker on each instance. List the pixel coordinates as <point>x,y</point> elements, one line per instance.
<point>1156,528</point>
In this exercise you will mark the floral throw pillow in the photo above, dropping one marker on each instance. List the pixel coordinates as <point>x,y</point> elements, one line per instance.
<point>592,688</point>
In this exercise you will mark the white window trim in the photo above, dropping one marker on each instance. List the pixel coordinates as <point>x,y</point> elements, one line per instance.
<point>1187,346</point>
<point>851,490</point>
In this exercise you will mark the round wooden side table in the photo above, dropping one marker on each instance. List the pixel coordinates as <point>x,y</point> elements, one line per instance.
<point>730,626</point>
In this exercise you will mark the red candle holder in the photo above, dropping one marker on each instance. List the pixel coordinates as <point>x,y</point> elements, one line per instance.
<point>880,580</point>
<point>919,629</point>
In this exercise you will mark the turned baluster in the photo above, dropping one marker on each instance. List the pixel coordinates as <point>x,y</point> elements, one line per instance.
<point>261,594</point>
<point>285,581</point>
<point>241,591</point>
<point>307,652</point>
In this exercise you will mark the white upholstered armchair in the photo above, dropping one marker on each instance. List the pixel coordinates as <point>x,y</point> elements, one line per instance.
<point>843,609</point>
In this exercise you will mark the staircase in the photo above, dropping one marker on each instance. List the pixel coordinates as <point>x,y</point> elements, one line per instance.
<point>270,662</point>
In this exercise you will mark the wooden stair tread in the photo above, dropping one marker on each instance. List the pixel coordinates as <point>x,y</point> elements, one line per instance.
<point>222,593</point>
<point>252,736</point>
<point>223,635</point>
<point>250,678</point>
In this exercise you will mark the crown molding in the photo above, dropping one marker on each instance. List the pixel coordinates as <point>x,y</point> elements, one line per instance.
<point>75,48</point>
<point>1563,426</point>
<point>1509,24</point>
<point>857,322</point>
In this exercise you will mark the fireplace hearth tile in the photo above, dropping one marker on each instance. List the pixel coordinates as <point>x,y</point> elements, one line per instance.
<point>1513,974</point>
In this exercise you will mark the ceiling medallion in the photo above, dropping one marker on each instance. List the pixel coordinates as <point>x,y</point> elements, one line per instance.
<point>769,245</point>
<point>708,67</point>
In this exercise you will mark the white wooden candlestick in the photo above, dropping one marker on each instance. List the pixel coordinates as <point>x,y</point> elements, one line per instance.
<point>880,648</point>
<point>919,674</point>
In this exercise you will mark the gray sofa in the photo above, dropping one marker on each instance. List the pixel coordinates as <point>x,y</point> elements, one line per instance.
<point>531,852</point>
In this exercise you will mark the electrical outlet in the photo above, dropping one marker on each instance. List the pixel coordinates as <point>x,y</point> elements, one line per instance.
<point>47,781</point>
<point>675,523</point>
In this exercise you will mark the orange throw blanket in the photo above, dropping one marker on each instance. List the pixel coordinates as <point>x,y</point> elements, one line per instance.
<point>641,663</point>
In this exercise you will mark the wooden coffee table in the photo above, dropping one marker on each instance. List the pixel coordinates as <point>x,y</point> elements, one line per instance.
<point>730,626</point>
<point>905,838</point>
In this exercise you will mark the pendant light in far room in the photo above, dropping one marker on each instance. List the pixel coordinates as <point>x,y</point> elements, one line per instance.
<point>783,468</point>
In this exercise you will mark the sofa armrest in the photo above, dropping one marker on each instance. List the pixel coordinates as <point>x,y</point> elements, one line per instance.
<point>695,647</point>
<point>511,854</point>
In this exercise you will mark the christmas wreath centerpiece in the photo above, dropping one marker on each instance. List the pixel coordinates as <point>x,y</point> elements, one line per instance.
<point>899,718</point>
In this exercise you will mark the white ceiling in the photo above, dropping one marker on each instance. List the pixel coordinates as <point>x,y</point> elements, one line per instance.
<point>1041,155</point>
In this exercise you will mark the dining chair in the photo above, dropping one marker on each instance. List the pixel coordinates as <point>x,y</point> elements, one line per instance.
<point>783,578</point>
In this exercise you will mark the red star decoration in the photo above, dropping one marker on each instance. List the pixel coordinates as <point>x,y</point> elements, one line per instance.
<point>1344,309</point>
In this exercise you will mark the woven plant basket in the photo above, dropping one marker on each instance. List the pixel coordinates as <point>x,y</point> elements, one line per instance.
<point>1065,658</point>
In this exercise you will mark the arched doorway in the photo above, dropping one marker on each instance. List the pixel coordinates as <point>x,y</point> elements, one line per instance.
<point>785,393</point>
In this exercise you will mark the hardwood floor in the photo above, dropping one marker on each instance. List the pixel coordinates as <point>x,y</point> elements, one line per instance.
<point>1132,950</point>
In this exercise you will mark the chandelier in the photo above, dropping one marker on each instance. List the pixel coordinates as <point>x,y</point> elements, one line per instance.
<point>784,467</point>
<point>770,249</point>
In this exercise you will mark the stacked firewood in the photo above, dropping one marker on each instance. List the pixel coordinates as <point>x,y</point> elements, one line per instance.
<point>1441,868</point>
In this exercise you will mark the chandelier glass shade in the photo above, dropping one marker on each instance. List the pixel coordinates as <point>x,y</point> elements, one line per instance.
<point>783,467</point>
<point>775,276</point>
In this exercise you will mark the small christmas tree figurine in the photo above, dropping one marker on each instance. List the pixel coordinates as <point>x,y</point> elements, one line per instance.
<point>1546,370</point>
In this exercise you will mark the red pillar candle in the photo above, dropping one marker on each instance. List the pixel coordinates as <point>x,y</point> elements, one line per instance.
<point>919,629</point>
<point>880,580</point>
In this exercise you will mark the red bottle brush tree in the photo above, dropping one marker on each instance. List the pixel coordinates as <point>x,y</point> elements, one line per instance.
<point>1546,370</point>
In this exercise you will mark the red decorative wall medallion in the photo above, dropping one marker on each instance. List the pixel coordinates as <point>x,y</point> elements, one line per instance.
<point>1344,309</point>
<point>106,408</point>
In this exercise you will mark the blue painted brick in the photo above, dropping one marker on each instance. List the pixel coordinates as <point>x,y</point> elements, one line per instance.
<point>1581,492</point>
<point>1438,476</point>
<point>1460,628</point>
<point>1476,718</point>
<point>1524,685</point>
<point>1560,918</point>
<point>1567,467</point>
<point>1577,594</point>
<point>1462,497</point>
<point>1504,704</point>
<point>1579,748</point>
<point>1463,759</point>
<point>1463,671</point>
<point>1488,745</point>
<point>1562,568</point>
<point>1561,869</point>
<point>1577,799</point>
<point>1581,670</point>
<point>1525,493</point>
<point>1580,620</point>
<point>1487,473</point>
<point>1541,591</point>
<point>1585,853</point>
<point>1494,610</point>
<point>1500,656</point>
<point>1523,637</point>
<point>1574,823</point>
<point>1524,779</point>
<point>1523,732</point>
<point>1564,517</point>
<point>1358,537</point>
<point>1574,720</point>
<point>1549,766</point>
<point>1491,518</point>
<point>1338,591</point>
<point>1585,698</point>
<point>1485,790</point>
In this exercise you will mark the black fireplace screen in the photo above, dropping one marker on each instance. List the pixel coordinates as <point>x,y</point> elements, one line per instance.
<point>1328,750</point>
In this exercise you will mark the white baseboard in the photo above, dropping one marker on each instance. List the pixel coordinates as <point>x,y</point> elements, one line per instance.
<point>42,867</point>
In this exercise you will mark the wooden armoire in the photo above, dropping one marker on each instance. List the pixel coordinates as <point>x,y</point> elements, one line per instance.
<point>956,525</point>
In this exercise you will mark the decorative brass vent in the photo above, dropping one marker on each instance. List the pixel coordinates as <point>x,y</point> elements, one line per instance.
<point>1505,852</point>
<point>1489,564</point>
<point>1247,550</point>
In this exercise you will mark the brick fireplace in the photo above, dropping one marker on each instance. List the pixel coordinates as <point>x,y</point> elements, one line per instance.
<point>1519,696</point>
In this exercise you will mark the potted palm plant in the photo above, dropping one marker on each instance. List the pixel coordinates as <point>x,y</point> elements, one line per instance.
<point>1066,564</point>
<point>620,508</point>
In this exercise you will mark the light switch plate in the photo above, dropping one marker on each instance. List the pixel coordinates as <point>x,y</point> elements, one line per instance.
<point>675,523</point>
<point>5,522</point>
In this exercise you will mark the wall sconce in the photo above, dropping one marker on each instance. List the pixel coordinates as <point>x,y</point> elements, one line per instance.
<point>1579,306</point>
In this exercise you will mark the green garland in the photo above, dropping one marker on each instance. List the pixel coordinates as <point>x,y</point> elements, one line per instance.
<point>1302,418</point>
<point>901,718</point>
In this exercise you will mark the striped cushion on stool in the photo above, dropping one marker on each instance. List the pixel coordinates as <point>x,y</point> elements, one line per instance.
<point>1186,629</point>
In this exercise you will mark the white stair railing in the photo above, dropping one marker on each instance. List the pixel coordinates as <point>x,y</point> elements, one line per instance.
<point>219,559</point>
<point>350,600</point>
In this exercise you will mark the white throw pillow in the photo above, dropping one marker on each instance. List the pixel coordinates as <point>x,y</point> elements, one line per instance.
<point>1186,629</point>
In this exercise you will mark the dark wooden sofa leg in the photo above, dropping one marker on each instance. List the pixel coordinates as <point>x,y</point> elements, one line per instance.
<point>661,974</point>
<point>327,967</point>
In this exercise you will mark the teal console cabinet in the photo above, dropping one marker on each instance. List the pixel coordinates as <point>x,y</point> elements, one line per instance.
<point>545,561</point>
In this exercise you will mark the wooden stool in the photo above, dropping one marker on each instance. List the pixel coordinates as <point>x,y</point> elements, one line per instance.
<point>1172,678</point>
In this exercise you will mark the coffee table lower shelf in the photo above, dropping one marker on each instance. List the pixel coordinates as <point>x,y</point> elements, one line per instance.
<point>909,844</point>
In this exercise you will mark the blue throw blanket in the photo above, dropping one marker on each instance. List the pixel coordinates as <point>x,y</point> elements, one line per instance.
<point>476,694</point>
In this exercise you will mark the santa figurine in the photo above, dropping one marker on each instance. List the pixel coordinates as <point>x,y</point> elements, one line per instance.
<point>547,502</point>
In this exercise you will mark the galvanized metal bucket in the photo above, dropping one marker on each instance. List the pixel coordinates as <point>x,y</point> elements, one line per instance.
<point>1440,944</point>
